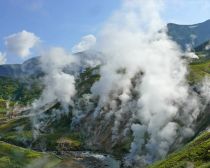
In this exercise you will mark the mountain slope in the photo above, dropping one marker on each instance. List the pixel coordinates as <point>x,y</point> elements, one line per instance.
<point>194,35</point>
<point>195,154</point>
<point>28,68</point>
<point>12,156</point>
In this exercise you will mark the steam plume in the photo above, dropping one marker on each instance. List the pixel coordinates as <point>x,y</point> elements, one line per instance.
<point>142,87</point>
<point>2,58</point>
<point>144,78</point>
<point>58,85</point>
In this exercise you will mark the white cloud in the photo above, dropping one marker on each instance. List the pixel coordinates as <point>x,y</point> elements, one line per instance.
<point>86,43</point>
<point>21,43</point>
<point>2,58</point>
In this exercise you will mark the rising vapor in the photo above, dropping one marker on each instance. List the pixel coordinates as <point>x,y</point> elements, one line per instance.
<point>3,59</point>
<point>142,87</point>
<point>59,86</point>
<point>144,78</point>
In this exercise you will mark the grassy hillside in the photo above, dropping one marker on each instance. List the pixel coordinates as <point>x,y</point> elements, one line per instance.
<point>199,68</point>
<point>12,156</point>
<point>55,136</point>
<point>19,91</point>
<point>195,154</point>
<point>197,71</point>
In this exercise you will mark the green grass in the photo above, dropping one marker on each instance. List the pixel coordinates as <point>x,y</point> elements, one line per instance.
<point>52,141</point>
<point>68,144</point>
<point>3,107</point>
<point>12,124</point>
<point>21,91</point>
<point>16,157</point>
<point>19,132</point>
<point>196,153</point>
<point>198,70</point>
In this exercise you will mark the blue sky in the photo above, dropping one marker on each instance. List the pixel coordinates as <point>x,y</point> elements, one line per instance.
<point>64,22</point>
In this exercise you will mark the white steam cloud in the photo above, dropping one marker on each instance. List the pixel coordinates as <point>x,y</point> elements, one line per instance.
<point>21,43</point>
<point>3,59</point>
<point>142,87</point>
<point>86,43</point>
<point>59,86</point>
<point>144,78</point>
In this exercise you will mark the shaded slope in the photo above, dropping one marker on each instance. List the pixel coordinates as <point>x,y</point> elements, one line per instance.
<point>190,34</point>
<point>30,67</point>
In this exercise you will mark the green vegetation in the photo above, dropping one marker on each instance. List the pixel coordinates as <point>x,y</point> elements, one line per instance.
<point>58,141</point>
<point>195,154</point>
<point>24,91</point>
<point>60,129</point>
<point>16,157</point>
<point>19,132</point>
<point>8,87</point>
<point>3,108</point>
<point>56,136</point>
<point>68,144</point>
<point>198,70</point>
<point>15,90</point>
<point>86,80</point>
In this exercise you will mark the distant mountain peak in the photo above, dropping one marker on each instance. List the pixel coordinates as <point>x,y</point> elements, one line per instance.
<point>190,35</point>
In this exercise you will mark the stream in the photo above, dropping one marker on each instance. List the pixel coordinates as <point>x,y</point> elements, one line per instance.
<point>93,160</point>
